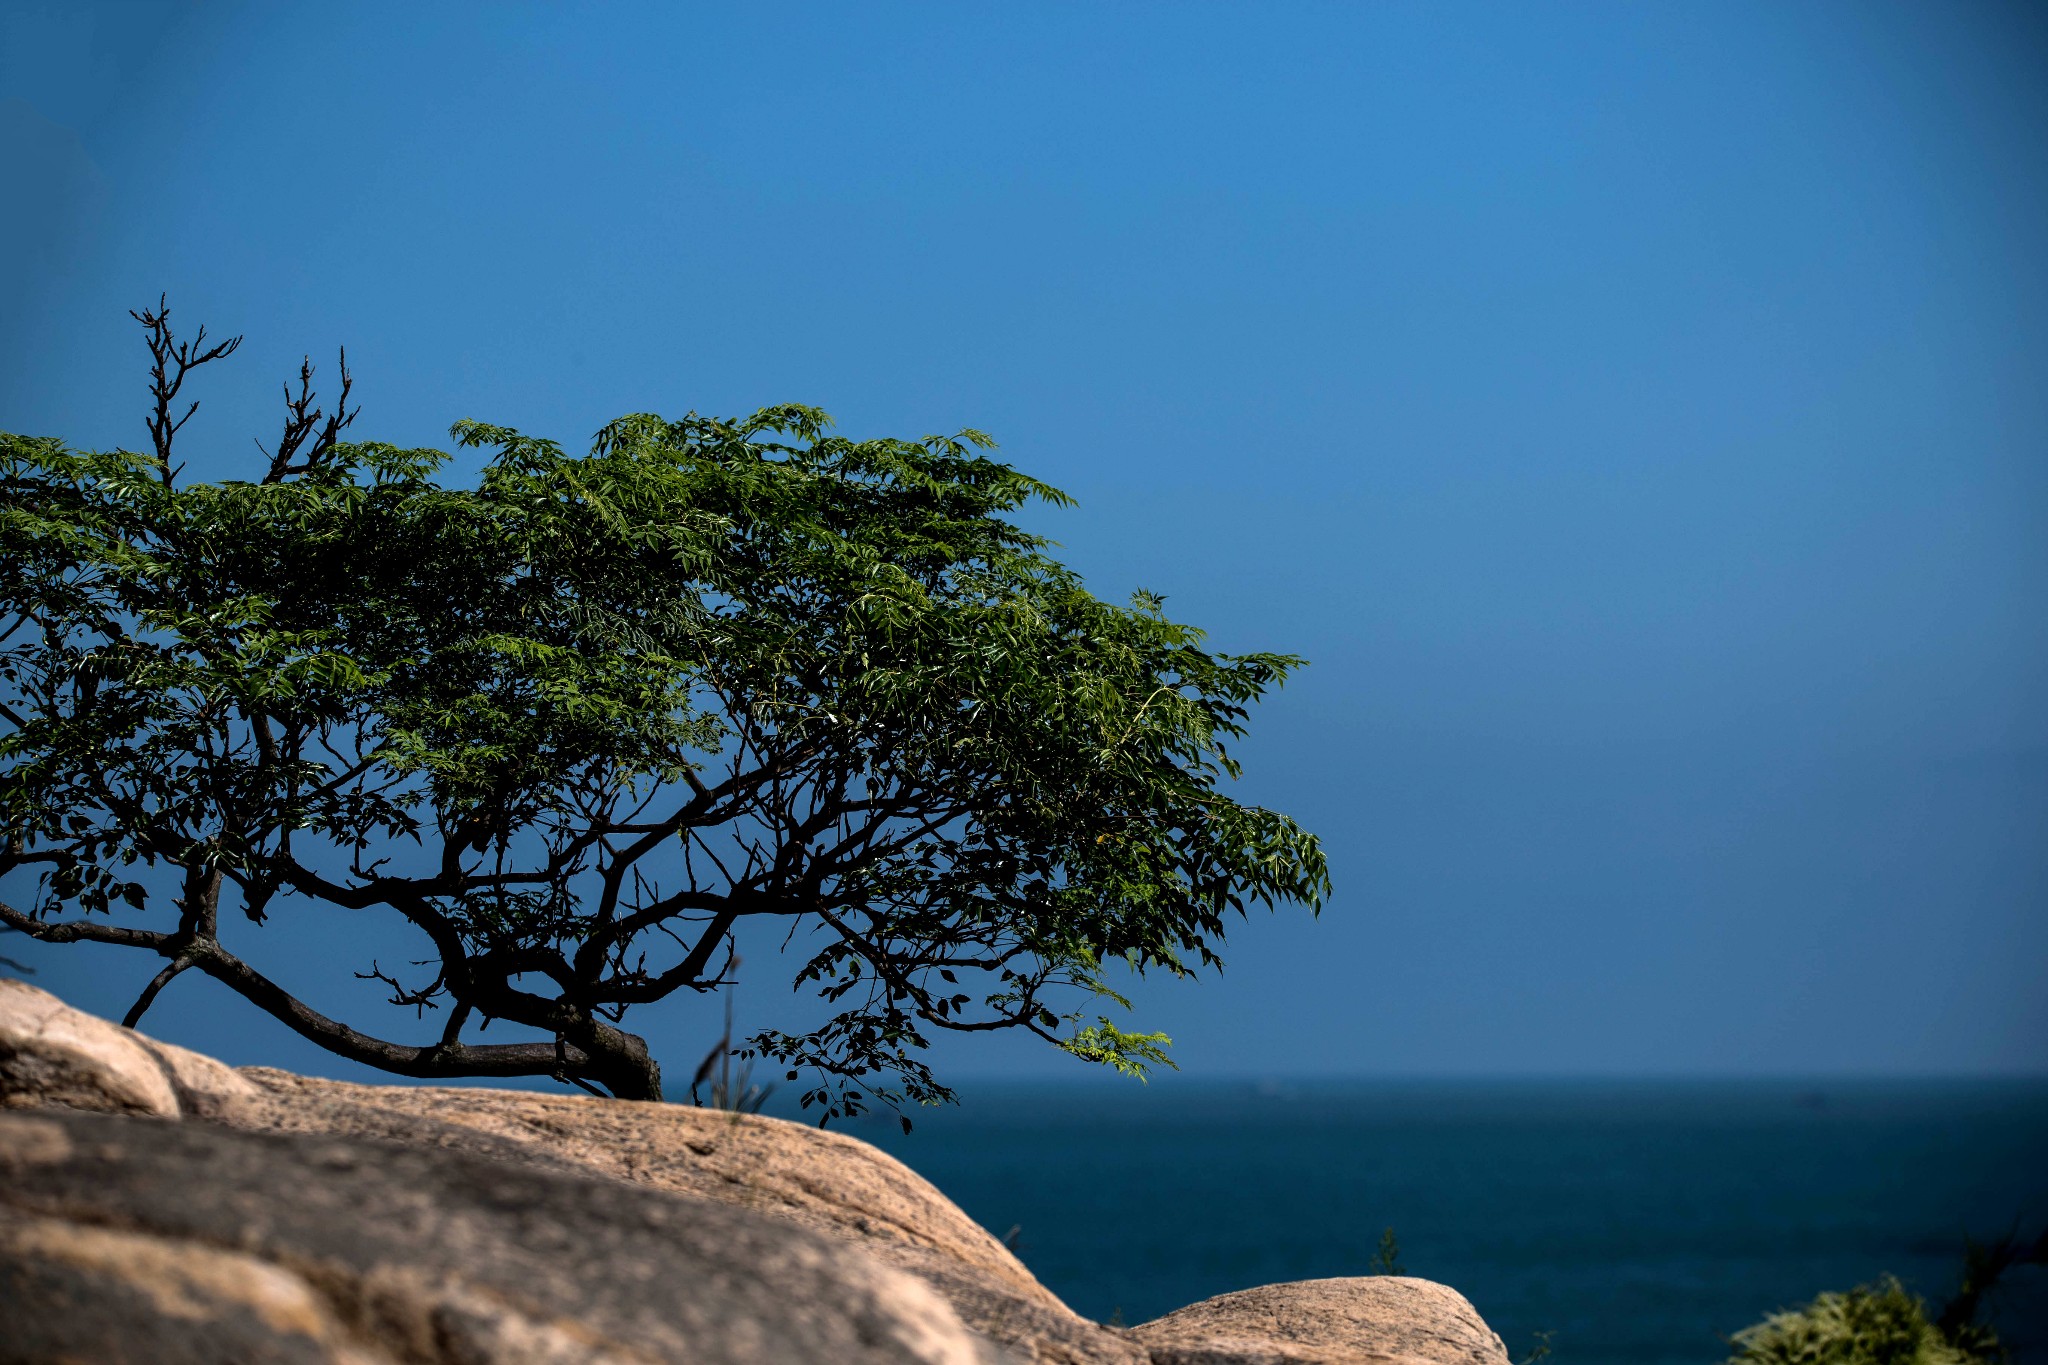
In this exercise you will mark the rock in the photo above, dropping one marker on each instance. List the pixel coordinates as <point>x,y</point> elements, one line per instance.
<point>831,1191</point>
<point>1329,1322</point>
<point>135,1240</point>
<point>838,1186</point>
<point>830,1183</point>
<point>51,1054</point>
<point>834,1185</point>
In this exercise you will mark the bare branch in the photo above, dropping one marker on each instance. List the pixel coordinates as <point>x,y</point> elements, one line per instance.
<point>170,360</point>
<point>685,973</point>
<point>149,992</point>
<point>79,931</point>
<point>302,419</point>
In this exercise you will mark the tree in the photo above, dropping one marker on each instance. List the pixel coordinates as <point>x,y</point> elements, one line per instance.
<point>578,722</point>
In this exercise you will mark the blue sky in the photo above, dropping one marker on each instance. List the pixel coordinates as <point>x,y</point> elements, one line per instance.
<point>1634,412</point>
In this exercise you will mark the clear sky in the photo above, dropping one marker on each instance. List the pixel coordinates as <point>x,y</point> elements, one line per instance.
<point>1636,412</point>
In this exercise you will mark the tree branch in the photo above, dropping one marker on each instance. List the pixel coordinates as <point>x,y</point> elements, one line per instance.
<point>444,1059</point>
<point>149,992</point>
<point>170,360</point>
<point>301,419</point>
<point>79,931</point>
<point>683,973</point>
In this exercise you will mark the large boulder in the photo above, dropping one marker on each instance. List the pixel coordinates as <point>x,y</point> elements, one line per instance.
<point>53,1054</point>
<point>1391,1318</point>
<point>139,1240</point>
<point>837,1186</point>
<point>722,1187</point>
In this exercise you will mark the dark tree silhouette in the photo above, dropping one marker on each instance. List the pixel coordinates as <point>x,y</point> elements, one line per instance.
<point>579,721</point>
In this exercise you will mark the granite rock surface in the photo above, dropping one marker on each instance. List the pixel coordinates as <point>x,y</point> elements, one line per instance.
<point>1366,1318</point>
<point>160,1198</point>
<point>135,1239</point>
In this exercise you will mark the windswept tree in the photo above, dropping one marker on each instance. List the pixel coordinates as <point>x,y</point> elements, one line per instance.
<point>581,722</point>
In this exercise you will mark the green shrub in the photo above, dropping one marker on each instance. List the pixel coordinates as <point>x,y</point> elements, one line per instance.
<point>1872,1324</point>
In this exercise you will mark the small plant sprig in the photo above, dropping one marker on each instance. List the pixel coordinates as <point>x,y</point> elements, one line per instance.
<point>737,1095</point>
<point>1387,1260</point>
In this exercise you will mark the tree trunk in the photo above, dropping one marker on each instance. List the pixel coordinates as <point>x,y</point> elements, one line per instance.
<point>618,1061</point>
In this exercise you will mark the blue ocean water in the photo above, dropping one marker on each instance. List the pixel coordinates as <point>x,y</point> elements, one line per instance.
<point>1639,1223</point>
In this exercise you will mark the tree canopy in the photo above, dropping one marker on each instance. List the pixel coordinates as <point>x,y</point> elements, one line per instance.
<point>581,717</point>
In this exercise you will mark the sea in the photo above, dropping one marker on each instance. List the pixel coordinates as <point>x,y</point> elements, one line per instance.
<point>1631,1223</point>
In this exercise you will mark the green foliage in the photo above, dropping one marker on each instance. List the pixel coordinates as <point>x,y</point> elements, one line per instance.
<point>579,720</point>
<point>1872,1324</point>
<point>1882,1324</point>
<point>1103,1042</point>
<point>1386,1260</point>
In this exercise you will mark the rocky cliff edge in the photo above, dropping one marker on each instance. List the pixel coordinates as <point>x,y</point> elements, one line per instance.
<point>159,1206</point>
